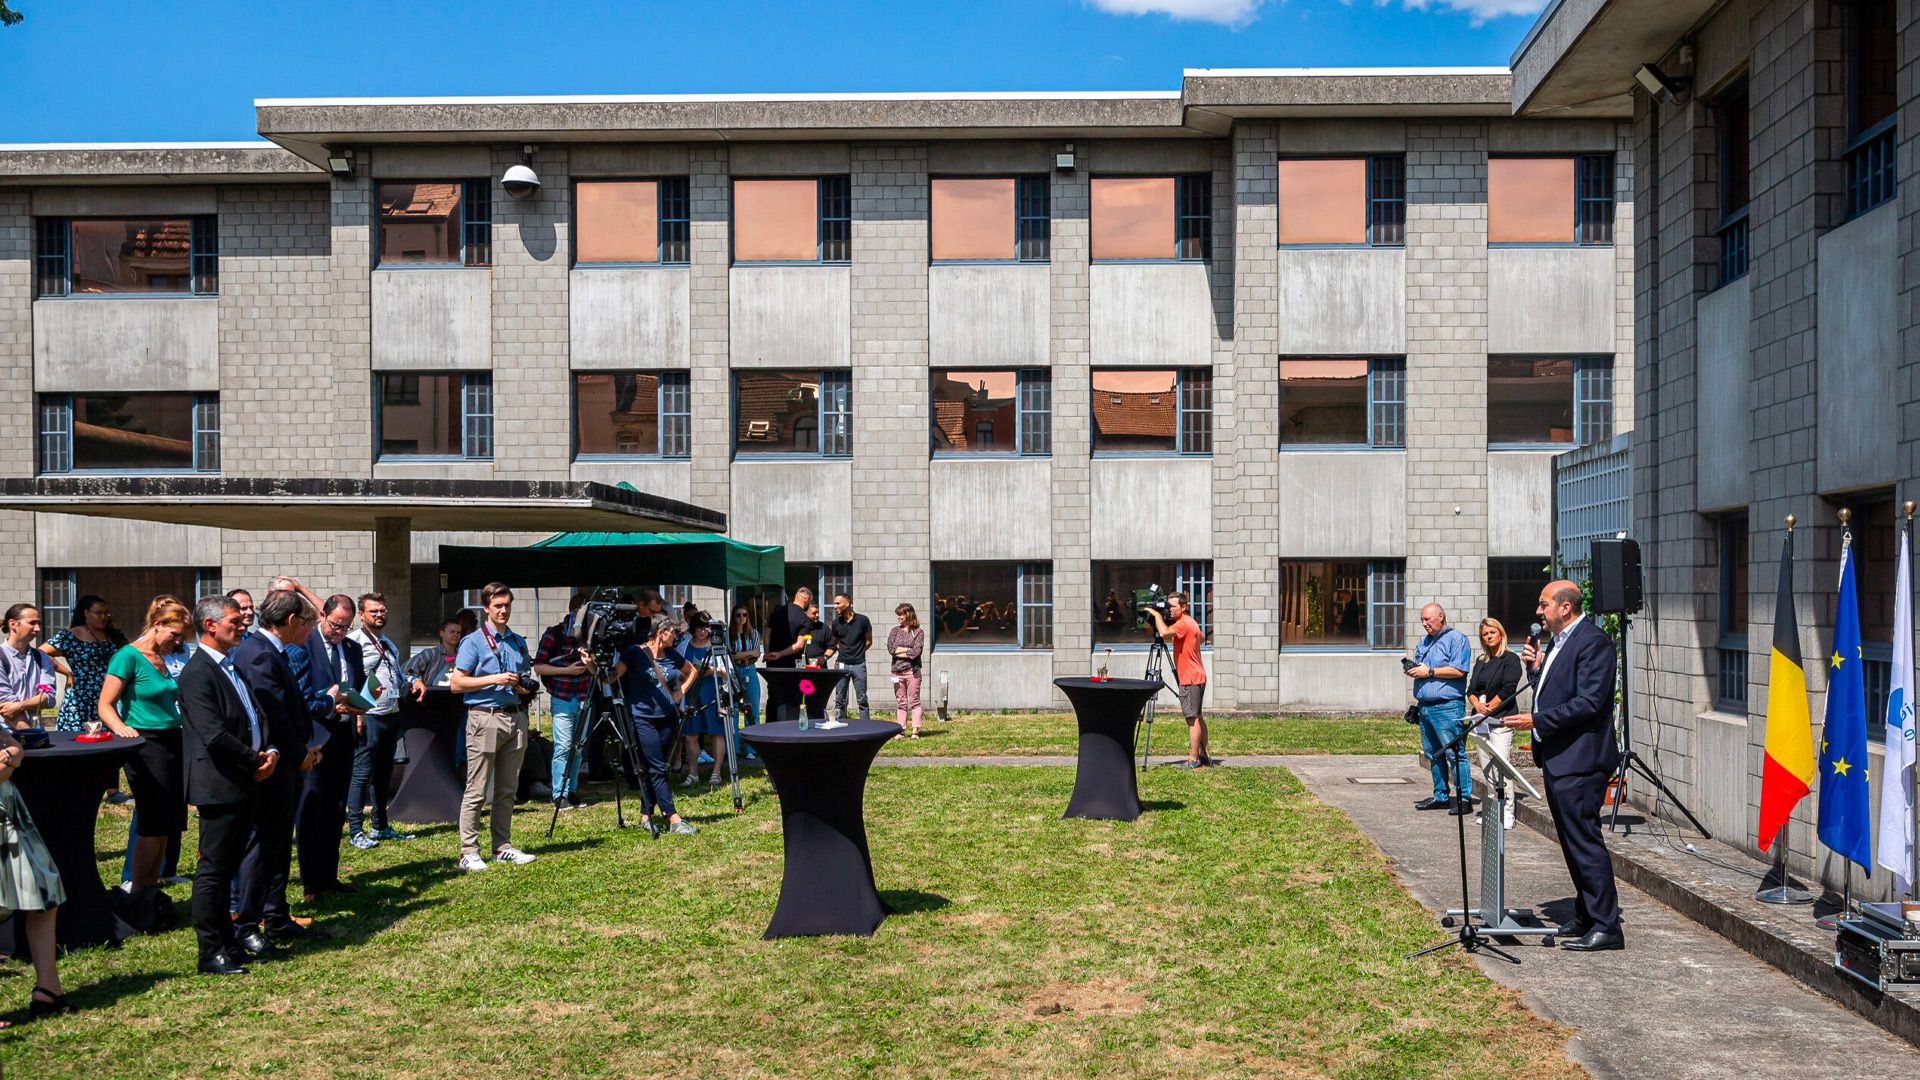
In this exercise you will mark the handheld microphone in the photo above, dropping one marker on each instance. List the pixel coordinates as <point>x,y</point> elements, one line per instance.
<point>1533,635</point>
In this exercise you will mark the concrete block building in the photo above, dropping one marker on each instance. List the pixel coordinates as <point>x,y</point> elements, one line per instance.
<point>1300,343</point>
<point>1775,287</point>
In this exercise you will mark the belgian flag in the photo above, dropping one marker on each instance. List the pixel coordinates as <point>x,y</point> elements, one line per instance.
<point>1787,770</point>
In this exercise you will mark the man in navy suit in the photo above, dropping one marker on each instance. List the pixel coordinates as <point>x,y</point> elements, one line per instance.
<point>228,754</point>
<point>1572,725</point>
<point>324,661</point>
<point>264,916</point>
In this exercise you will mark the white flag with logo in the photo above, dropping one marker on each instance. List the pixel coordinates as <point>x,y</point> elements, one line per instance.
<point>1896,777</point>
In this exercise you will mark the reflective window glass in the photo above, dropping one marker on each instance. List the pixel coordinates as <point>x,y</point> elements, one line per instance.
<point>617,221</point>
<point>420,223</point>
<point>973,218</point>
<point>1322,201</point>
<point>1530,200</point>
<point>1132,217</point>
<point>119,432</point>
<point>131,255</point>
<point>776,220</point>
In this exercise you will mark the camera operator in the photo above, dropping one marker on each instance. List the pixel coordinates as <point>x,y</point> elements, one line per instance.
<point>657,679</point>
<point>1188,671</point>
<point>494,669</point>
<point>568,671</point>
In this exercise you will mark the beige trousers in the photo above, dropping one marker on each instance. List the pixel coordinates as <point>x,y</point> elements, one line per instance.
<point>496,743</point>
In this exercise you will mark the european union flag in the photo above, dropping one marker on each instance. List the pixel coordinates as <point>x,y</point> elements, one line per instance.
<point>1846,821</point>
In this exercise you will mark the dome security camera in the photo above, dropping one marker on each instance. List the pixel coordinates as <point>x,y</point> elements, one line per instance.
<point>520,181</point>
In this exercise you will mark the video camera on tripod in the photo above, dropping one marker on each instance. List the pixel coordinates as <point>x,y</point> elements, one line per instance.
<point>607,627</point>
<point>1150,599</point>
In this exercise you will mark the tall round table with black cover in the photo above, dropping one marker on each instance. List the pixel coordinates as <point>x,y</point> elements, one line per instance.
<point>62,784</point>
<point>783,690</point>
<point>430,788</point>
<point>1108,712</point>
<point>827,887</point>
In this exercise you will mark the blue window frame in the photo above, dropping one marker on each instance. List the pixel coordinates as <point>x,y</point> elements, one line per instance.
<point>1333,605</point>
<point>628,414</point>
<point>999,412</point>
<point>1593,198</point>
<point>1193,217</point>
<point>1033,223</point>
<point>1118,622</point>
<point>990,605</point>
<point>676,220</point>
<point>1332,404</point>
<point>836,219</point>
<point>672,218</point>
<point>793,413</point>
<point>1872,74</point>
<point>1592,399</point>
<point>152,256</point>
<point>1386,200</point>
<point>1732,137</point>
<point>433,416</point>
<point>1137,411</point>
<point>128,433</point>
<point>432,224</point>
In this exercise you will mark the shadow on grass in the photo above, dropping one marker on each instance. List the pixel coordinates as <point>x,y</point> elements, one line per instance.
<point>92,996</point>
<point>912,901</point>
<point>1162,804</point>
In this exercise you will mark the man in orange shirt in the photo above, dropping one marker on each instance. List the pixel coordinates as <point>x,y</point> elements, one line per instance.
<point>1185,635</point>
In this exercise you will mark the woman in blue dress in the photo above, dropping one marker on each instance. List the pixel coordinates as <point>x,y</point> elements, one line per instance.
<point>705,720</point>
<point>81,652</point>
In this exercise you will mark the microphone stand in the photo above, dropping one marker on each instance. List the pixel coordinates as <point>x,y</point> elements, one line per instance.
<point>1468,936</point>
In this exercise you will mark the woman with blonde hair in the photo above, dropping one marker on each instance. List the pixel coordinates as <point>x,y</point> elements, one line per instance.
<point>905,643</point>
<point>139,699</point>
<point>1492,686</point>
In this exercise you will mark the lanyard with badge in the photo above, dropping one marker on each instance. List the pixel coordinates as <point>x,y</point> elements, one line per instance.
<point>494,645</point>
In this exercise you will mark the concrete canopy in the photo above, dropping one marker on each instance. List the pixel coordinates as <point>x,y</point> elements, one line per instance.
<point>1580,56</point>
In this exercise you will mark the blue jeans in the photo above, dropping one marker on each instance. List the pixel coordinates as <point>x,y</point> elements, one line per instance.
<point>569,747</point>
<point>372,771</point>
<point>1440,724</point>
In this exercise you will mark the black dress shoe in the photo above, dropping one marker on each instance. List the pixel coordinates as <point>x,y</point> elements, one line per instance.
<point>1460,807</point>
<point>1431,804</point>
<point>254,943</point>
<point>1573,930</point>
<point>222,964</point>
<point>287,931</point>
<point>1596,941</point>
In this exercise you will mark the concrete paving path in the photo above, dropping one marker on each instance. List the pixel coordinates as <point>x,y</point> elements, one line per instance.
<point>1679,1002</point>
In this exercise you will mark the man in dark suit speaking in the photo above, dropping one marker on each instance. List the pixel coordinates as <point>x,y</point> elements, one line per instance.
<point>228,755</point>
<point>1572,725</point>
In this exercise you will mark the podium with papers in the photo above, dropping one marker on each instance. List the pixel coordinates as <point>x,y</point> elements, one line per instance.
<point>1498,920</point>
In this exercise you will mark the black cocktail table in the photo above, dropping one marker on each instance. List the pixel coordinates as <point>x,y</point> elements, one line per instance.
<point>62,784</point>
<point>827,887</point>
<point>1108,712</point>
<point>784,690</point>
<point>430,788</point>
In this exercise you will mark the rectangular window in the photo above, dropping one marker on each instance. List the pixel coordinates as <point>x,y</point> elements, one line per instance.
<point>630,414</point>
<point>435,223</point>
<point>1117,619</point>
<point>1336,201</point>
<point>992,412</point>
<point>793,412</point>
<point>1550,200</point>
<point>1513,595</point>
<point>793,220</point>
<point>1536,401</point>
<point>120,433</point>
<point>1730,648</point>
<point>1035,222</point>
<point>1872,73</point>
<point>434,415</point>
<point>1351,604</point>
<point>1151,218</point>
<point>1358,403</point>
<point>630,221</point>
<point>1733,137</point>
<point>126,589</point>
<point>1153,411</point>
<point>973,219</point>
<point>121,256</point>
<point>991,603</point>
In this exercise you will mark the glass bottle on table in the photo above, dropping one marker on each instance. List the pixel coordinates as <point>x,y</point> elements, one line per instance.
<point>1106,660</point>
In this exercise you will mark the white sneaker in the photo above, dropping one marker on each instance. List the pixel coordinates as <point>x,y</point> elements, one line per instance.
<point>472,862</point>
<point>511,854</point>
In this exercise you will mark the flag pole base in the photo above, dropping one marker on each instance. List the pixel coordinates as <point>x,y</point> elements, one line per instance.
<point>1783,894</point>
<point>1830,922</point>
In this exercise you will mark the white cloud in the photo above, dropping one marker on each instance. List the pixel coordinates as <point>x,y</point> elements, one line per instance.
<point>1224,12</point>
<point>1479,11</point>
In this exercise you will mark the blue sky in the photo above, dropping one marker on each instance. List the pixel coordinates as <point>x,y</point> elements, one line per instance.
<point>87,70</point>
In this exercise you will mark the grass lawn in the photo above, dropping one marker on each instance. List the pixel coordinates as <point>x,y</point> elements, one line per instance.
<point>1241,928</point>
<point>979,734</point>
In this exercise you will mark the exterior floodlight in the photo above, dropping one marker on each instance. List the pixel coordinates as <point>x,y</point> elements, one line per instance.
<point>1063,160</point>
<point>1659,86</point>
<point>340,163</point>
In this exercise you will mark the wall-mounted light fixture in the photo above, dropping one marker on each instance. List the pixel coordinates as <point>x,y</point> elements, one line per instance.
<point>340,162</point>
<point>1660,86</point>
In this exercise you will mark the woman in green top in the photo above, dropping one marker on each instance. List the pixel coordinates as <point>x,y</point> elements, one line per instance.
<point>138,699</point>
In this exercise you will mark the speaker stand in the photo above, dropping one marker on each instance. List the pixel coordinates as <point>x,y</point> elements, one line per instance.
<point>1630,759</point>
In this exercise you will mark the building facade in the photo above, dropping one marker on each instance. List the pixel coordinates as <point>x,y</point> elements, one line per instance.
<point>1299,343</point>
<point>1774,352</point>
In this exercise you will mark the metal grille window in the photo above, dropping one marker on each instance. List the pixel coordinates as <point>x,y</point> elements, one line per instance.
<point>128,433</point>
<point>1387,402</point>
<point>1593,399</point>
<point>992,412</point>
<point>1730,647</point>
<point>1593,198</point>
<point>1117,618</point>
<point>1036,605</point>
<point>1033,218</point>
<point>1196,580</point>
<point>836,413</point>
<point>207,582</point>
<point>676,220</point>
<point>476,225</point>
<point>1036,413</point>
<point>58,591</point>
<point>1872,71</point>
<point>995,605</point>
<point>1387,201</point>
<point>676,415</point>
<point>1733,141</point>
<point>50,257</point>
<point>836,219</point>
<point>836,579</point>
<point>1196,411</point>
<point>206,256</point>
<point>477,415</point>
<point>1193,217</point>
<point>1386,603</point>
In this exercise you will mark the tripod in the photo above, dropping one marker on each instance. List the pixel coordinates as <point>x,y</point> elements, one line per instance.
<point>606,711</point>
<point>727,695</point>
<point>1629,757</point>
<point>1157,655</point>
<point>1468,936</point>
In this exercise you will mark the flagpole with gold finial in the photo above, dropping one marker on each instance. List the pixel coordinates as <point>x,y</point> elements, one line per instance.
<point>1831,921</point>
<point>1913,878</point>
<point>1778,887</point>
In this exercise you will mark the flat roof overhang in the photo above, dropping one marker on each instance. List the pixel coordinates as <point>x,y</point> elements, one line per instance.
<point>307,126</point>
<point>1261,93</point>
<point>341,505</point>
<point>153,163</point>
<point>1580,56</point>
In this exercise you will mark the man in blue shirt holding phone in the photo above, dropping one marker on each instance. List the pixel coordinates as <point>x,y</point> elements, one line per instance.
<point>1439,674</point>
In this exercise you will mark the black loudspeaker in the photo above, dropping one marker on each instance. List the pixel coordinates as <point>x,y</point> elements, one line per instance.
<point>1616,576</point>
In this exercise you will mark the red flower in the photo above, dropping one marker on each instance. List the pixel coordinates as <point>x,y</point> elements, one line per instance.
<point>806,686</point>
